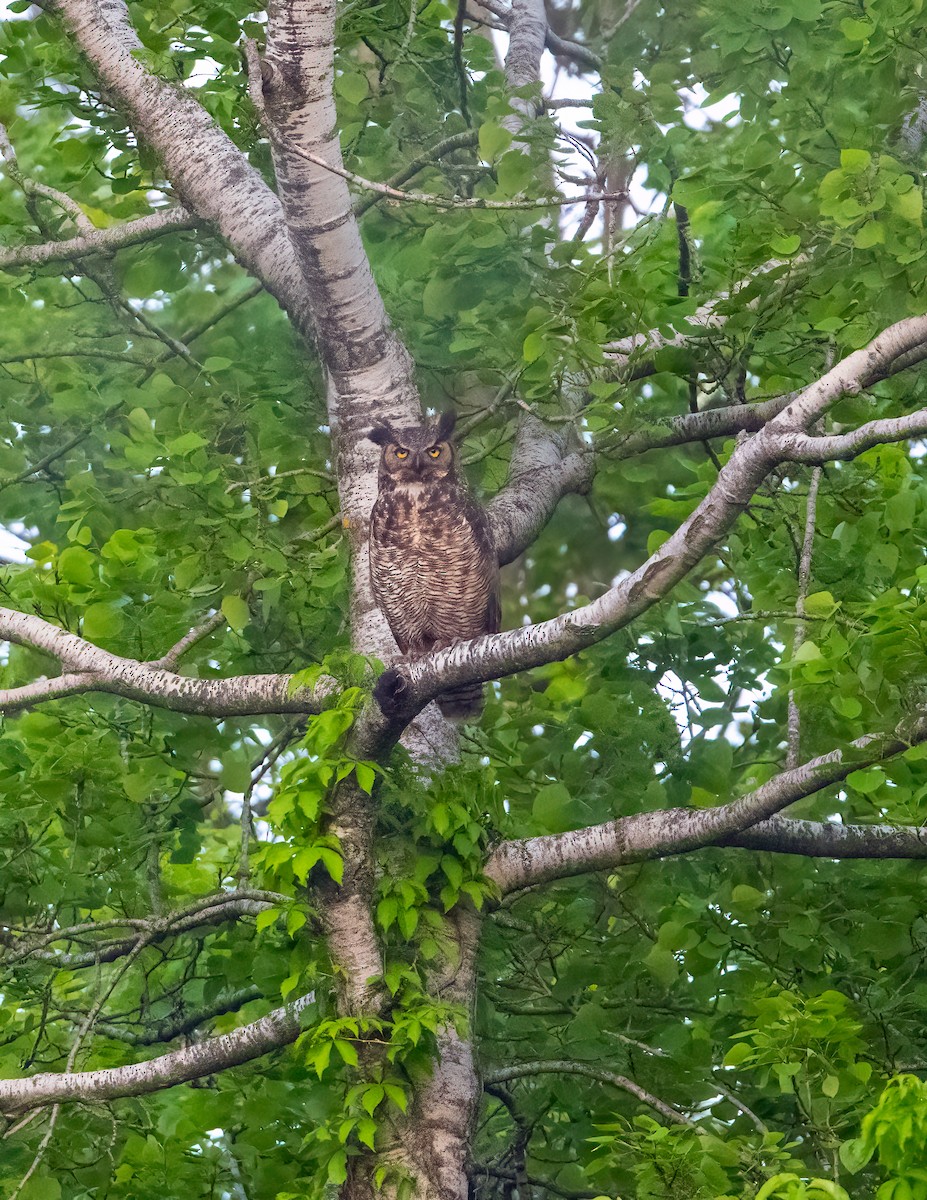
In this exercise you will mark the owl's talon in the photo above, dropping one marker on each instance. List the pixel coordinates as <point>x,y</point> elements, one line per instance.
<point>390,691</point>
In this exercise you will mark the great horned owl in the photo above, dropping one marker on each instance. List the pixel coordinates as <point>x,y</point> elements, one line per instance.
<point>433,563</point>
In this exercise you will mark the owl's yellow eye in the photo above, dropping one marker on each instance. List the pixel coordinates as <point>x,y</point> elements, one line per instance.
<point>402,453</point>
<point>435,451</point>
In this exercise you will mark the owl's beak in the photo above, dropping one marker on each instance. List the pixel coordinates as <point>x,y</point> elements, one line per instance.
<point>419,460</point>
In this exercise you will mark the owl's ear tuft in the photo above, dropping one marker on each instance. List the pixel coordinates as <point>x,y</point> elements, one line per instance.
<point>446,422</point>
<point>381,434</point>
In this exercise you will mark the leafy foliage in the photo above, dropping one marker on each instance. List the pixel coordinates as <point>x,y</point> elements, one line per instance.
<point>164,455</point>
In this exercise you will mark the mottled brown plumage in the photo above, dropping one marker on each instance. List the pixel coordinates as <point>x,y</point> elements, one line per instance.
<point>433,563</point>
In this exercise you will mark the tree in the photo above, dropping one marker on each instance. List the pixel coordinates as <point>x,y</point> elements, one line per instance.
<point>655,926</point>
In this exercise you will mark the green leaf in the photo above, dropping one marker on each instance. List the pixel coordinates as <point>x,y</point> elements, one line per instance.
<point>900,510</point>
<point>553,808</point>
<point>236,612</point>
<point>855,30</point>
<point>366,777</point>
<point>909,205</point>
<point>738,1054</point>
<point>786,246</point>
<point>266,918</point>
<point>515,172</point>
<point>453,871</point>
<point>338,1167</point>
<point>295,920</point>
<point>871,234</point>
<point>353,86</point>
<point>102,621</point>
<point>855,1154</point>
<point>367,1132</point>
<point>853,162</point>
<point>867,781</point>
<point>347,1051</point>
<point>77,565</point>
<point>493,140</point>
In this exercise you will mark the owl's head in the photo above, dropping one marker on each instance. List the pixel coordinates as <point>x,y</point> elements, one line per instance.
<point>420,454</point>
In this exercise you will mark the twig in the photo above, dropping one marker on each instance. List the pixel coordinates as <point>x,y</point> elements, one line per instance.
<point>565,102</point>
<point>197,331</point>
<point>88,668</point>
<point>569,1067</point>
<point>40,1151</point>
<point>169,661</point>
<point>240,484</point>
<point>101,241</point>
<point>260,768</point>
<point>629,8</point>
<point>53,455</point>
<point>445,202</point>
<point>316,535</point>
<point>457,141</point>
<point>781,615</point>
<point>465,427</point>
<point>244,1044</point>
<point>760,1126</point>
<point>32,188</point>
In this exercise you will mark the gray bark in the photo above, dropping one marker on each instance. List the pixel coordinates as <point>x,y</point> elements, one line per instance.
<point>278,1028</point>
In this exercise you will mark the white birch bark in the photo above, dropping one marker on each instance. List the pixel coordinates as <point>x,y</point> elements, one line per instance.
<point>208,171</point>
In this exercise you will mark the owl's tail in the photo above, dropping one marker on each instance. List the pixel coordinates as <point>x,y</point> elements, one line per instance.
<point>464,703</point>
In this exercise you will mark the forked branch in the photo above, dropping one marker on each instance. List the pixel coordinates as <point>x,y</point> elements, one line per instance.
<point>742,822</point>
<point>279,1028</point>
<point>88,668</point>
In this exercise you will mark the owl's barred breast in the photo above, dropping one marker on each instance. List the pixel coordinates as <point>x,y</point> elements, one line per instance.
<point>433,565</point>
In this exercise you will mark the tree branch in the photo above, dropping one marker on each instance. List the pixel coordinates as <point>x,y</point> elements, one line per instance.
<point>816,839</point>
<point>541,473</point>
<point>808,448</point>
<point>209,910</point>
<point>624,352</point>
<point>170,660</point>
<point>569,1067</point>
<point>101,241</point>
<point>650,835</point>
<point>88,668</point>
<point>457,141</point>
<point>177,1026</point>
<point>798,637</point>
<point>696,427</point>
<point>212,176</point>
<point>556,44</point>
<point>447,202</point>
<point>279,1028</point>
<point>527,24</point>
